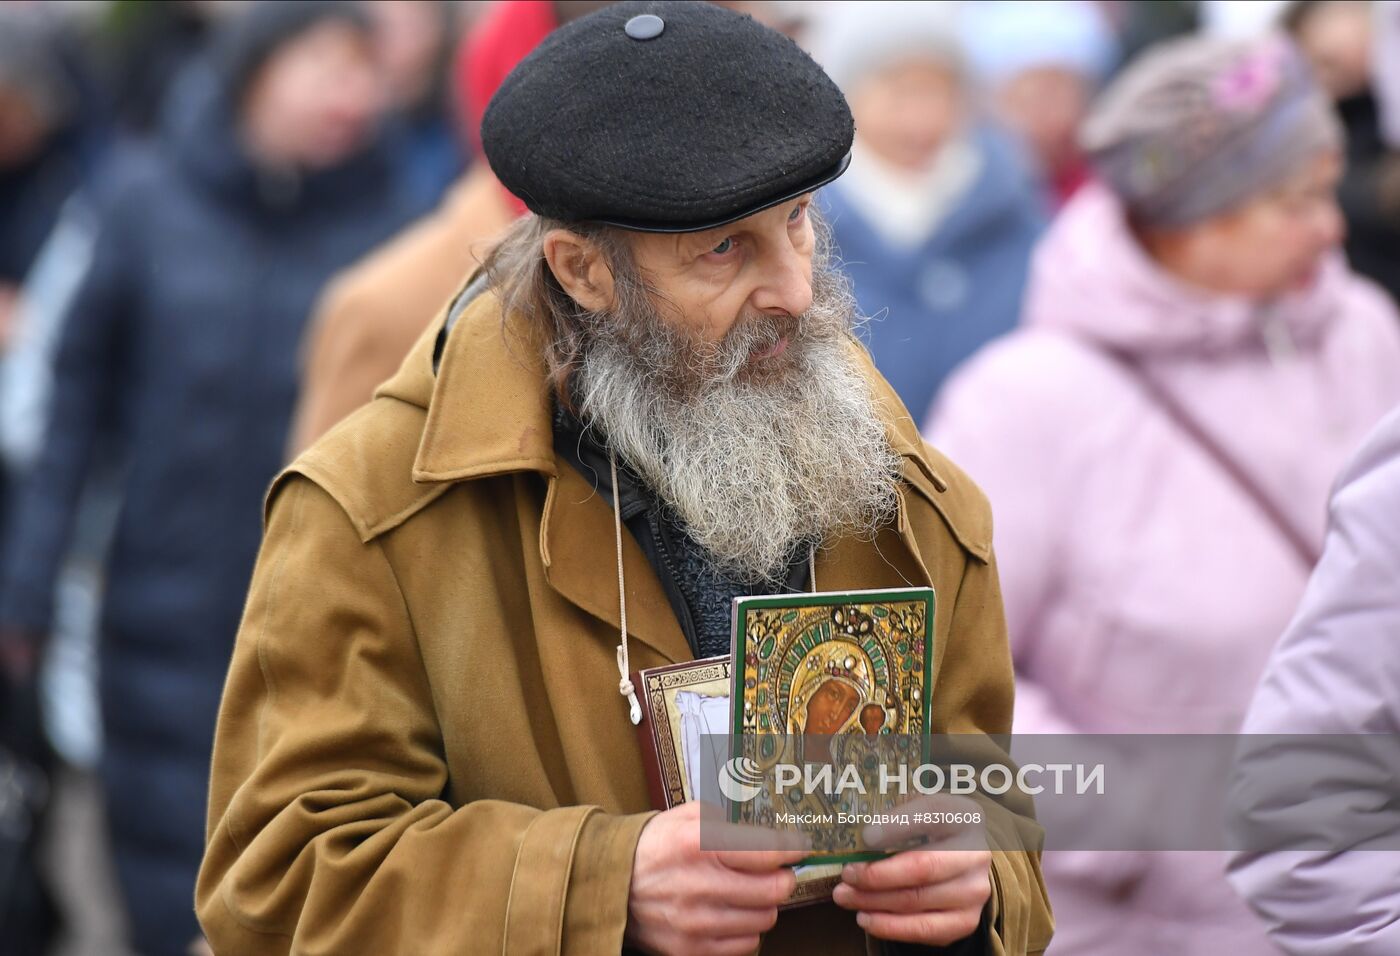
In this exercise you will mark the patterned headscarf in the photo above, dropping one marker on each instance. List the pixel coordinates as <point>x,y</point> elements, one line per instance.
<point>1198,126</point>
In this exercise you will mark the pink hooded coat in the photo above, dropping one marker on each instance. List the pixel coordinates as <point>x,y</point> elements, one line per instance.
<point>1144,588</point>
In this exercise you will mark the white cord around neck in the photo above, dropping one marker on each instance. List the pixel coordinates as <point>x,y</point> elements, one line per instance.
<point>625,687</point>
<point>624,665</point>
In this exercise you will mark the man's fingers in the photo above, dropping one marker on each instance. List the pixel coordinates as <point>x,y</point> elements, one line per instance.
<point>971,890</point>
<point>731,887</point>
<point>722,837</point>
<point>755,849</point>
<point>753,890</point>
<point>914,868</point>
<point>932,929</point>
<point>759,861</point>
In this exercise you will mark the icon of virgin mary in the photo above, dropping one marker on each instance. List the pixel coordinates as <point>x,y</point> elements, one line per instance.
<point>835,682</point>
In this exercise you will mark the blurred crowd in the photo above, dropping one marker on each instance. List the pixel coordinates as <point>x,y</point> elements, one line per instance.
<point>1134,266</point>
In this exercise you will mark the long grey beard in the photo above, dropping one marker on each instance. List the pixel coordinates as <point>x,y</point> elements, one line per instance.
<point>753,456</point>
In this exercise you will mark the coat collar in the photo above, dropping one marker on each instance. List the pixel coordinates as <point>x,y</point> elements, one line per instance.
<point>489,413</point>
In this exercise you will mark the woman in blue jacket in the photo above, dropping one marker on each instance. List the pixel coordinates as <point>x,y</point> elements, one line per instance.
<point>936,218</point>
<point>179,360</point>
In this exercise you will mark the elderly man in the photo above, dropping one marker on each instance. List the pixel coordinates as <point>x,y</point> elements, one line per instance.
<point>425,744</point>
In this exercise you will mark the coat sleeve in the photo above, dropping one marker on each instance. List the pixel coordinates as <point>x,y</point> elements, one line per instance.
<point>84,401</point>
<point>1336,672</point>
<point>329,829</point>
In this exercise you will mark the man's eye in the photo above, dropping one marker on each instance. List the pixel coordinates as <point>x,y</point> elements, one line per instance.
<point>724,246</point>
<point>796,214</point>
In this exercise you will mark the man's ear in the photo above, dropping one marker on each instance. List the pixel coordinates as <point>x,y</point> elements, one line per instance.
<point>580,267</point>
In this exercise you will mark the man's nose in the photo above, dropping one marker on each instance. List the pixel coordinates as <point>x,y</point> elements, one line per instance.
<point>787,283</point>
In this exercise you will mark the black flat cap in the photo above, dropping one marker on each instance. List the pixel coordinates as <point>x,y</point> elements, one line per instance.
<point>665,117</point>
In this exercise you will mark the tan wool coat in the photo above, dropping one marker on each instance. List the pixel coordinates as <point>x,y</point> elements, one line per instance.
<point>421,747</point>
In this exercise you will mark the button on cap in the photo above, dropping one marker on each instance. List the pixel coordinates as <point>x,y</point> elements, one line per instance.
<point>645,26</point>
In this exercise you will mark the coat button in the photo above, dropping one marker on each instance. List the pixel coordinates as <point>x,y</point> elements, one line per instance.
<point>645,26</point>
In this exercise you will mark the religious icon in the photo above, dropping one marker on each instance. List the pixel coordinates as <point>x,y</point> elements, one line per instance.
<point>840,679</point>
<point>685,717</point>
<point>685,709</point>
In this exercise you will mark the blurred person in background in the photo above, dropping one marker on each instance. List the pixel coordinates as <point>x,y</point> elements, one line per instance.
<point>937,216</point>
<point>41,146</point>
<point>415,39</point>
<point>1336,671</point>
<point>1385,67</point>
<point>179,351</point>
<point>370,316</point>
<point>1196,363</point>
<point>1039,64</point>
<point>1336,38</point>
<point>52,140</point>
<point>43,159</point>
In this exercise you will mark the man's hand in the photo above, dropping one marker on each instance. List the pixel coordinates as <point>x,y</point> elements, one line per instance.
<point>713,902</point>
<point>932,895</point>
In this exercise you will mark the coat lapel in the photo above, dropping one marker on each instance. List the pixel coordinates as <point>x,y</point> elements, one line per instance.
<point>890,560</point>
<point>579,545</point>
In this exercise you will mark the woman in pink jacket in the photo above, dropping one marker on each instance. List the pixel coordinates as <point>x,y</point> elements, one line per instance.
<point>1196,363</point>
